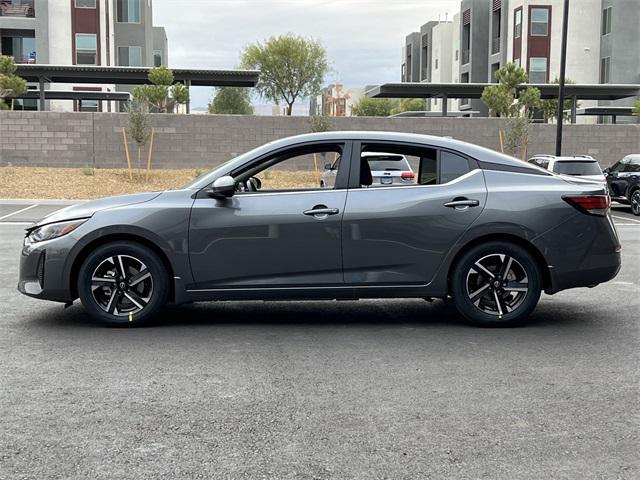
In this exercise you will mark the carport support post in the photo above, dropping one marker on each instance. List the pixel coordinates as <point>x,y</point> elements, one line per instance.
<point>563,67</point>
<point>574,106</point>
<point>444,105</point>
<point>41,87</point>
<point>188,85</point>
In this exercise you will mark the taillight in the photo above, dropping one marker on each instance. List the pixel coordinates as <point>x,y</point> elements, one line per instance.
<point>407,176</point>
<point>591,204</point>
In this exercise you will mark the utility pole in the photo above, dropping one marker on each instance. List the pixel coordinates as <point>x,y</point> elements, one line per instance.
<point>563,65</point>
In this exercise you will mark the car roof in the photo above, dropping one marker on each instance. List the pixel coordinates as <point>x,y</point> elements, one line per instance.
<point>566,158</point>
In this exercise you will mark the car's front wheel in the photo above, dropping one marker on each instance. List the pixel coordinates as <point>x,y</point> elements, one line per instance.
<point>123,283</point>
<point>496,284</point>
<point>635,203</point>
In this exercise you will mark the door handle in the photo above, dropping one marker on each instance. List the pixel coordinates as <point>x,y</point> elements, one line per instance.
<point>320,211</point>
<point>462,203</point>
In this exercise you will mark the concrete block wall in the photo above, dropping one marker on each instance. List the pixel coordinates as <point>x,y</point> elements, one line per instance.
<point>57,139</point>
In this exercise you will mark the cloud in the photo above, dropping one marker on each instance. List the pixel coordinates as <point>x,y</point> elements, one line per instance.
<point>363,38</point>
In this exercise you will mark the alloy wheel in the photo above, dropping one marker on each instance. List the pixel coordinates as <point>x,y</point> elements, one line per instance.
<point>122,285</point>
<point>497,284</point>
<point>635,202</point>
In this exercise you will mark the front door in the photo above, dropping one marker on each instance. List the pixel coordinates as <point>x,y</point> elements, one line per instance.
<point>281,230</point>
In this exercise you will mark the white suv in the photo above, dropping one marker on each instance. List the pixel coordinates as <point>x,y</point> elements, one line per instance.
<point>583,166</point>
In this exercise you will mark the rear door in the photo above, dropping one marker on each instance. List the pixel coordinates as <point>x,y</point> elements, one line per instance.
<point>398,235</point>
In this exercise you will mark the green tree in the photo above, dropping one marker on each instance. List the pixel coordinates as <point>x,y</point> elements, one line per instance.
<point>409,105</point>
<point>550,106</point>
<point>373,107</point>
<point>11,85</point>
<point>290,67</point>
<point>504,99</point>
<point>636,107</point>
<point>231,100</point>
<point>163,94</point>
<point>516,104</point>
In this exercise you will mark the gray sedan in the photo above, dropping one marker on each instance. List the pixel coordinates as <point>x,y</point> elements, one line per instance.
<point>485,230</point>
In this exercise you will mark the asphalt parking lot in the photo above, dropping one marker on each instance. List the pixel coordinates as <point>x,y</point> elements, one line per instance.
<point>319,390</point>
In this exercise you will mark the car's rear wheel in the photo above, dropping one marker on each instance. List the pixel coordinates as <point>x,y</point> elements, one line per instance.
<point>123,284</point>
<point>496,284</point>
<point>635,203</point>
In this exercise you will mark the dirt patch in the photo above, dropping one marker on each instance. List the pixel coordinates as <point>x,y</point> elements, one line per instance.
<point>87,183</point>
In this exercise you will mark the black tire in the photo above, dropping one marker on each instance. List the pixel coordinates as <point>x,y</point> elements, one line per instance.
<point>478,297</point>
<point>635,202</point>
<point>150,281</point>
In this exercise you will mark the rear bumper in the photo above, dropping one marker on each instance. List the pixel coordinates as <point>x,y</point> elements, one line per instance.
<point>603,269</point>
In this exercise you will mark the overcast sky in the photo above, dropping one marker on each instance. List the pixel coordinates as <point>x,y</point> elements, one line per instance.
<point>363,38</point>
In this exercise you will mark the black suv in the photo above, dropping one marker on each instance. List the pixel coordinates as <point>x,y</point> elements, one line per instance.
<point>623,179</point>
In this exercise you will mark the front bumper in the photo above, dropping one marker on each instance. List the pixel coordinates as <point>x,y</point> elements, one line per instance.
<point>41,270</point>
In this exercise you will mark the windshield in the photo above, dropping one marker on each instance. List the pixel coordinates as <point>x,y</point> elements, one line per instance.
<point>388,163</point>
<point>577,168</point>
<point>627,164</point>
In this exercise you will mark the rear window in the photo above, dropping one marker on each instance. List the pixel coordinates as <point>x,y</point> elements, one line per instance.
<point>577,168</point>
<point>388,163</point>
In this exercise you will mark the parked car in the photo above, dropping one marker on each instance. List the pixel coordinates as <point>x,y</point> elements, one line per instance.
<point>386,169</point>
<point>623,179</point>
<point>583,166</point>
<point>481,228</point>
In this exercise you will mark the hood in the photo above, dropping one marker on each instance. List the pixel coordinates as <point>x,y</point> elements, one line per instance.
<point>87,209</point>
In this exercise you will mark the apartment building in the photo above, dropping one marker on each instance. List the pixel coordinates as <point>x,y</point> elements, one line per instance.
<point>82,32</point>
<point>603,43</point>
<point>335,100</point>
<point>410,68</point>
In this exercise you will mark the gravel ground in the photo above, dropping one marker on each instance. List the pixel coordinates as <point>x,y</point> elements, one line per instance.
<point>322,390</point>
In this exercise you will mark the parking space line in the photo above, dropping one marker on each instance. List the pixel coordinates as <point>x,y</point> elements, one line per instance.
<point>626,219</point>
<point>19,211</point>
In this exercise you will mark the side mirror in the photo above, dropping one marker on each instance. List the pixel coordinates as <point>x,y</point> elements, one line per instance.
<point>223,187</point>
<point>327,166</point>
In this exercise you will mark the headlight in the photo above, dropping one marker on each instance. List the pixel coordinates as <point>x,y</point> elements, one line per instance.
<point>54,230</point>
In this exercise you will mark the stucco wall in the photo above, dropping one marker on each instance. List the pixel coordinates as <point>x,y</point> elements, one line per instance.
<point>66,139</point>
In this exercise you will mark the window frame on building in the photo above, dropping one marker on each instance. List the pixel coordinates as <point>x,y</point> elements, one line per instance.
<point>129,48</point>
<point>76,5</point>
<point>86,51</point>
<point>517,22</point>
<point>605,70</point>
<point>547,22</point>
<point>159,53</point>
<point>120,12</point>
<point>544,60</point>
<point>606,20</point>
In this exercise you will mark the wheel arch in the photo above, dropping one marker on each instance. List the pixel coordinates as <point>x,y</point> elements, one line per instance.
<point>503,237</point>
<point>115,237</point>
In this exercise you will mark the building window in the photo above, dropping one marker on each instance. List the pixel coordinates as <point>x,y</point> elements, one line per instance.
<point>496,27</point>
<point>605,70</point>
<point>85,3</point>
<point>538,70</point>
<point>88,106</point>
<point>457,54</point>
<point>517,23</point>
<point>86,49</point>
<point>130,56</point>
<point>606,21</point>
<point>157,58</point>
<point>539,22</point>
<point>436,64</point>
<point>128,11</point>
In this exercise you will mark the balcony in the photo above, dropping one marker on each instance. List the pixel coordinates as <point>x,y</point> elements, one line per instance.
<point>495,45</point>
<point>465,56</point>
<point>17,8</point>
<point>25,60</point>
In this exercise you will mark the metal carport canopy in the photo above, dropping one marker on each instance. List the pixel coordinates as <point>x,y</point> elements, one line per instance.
<point>605,91</point>
<point>77,95</point>
<point>134,75</point>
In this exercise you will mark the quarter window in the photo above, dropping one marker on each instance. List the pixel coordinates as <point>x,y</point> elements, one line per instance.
<point>86,49</point>
<point>539,22</point>
<point>128,11</point>
<point>452,166</point>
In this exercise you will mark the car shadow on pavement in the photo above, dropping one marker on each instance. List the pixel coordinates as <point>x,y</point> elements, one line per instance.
<point>414,313</point>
